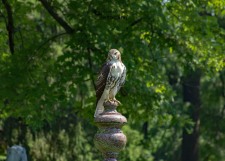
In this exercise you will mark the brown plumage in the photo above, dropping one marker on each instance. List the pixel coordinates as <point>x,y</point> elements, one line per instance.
<point>101,82</point>
<point>110,79</point>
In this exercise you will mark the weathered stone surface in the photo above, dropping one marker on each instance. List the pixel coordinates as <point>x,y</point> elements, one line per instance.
<point>16,153</point>
<point>110,139</point>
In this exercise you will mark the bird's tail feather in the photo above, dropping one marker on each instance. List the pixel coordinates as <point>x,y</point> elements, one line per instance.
<point>99,108</point>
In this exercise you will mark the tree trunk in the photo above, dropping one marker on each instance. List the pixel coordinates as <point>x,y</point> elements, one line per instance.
<point>191,94</point>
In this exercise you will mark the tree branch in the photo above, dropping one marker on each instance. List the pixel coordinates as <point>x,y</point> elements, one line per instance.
<point>108,16</point>
<point>9,25</point>
<point>126,29</point>
<point>50,39</point>
<point>44,43</point>
<point>135,22</point>
<point>54,14</point>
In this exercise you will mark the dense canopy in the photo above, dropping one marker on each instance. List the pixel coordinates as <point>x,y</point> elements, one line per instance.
<point>173,98</point>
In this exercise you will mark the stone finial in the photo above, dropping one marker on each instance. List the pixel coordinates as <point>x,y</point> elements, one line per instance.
<point>110,139</point>
<point>16,153</point>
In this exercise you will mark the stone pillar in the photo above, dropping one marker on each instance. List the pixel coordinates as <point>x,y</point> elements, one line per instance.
<point>109,139</point>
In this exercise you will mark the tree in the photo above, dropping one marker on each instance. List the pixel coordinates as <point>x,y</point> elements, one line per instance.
<point>52,51</point>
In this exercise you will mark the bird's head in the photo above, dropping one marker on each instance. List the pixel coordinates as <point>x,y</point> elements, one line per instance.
<point>114,54</point>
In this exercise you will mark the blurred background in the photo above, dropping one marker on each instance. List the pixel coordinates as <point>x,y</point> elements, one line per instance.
<point>173,98</point>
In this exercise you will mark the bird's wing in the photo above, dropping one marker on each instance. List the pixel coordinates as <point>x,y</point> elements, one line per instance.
<point>102,79</point>
<point>122,80</point>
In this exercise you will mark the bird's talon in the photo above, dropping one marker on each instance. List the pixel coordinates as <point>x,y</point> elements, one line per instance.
<point>115,100</point>
<point>111,101</point>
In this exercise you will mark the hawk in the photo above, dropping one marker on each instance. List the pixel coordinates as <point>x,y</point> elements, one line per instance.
<point>110,79</point>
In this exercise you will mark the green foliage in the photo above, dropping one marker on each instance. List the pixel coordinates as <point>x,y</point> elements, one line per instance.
<point>51,75</point>
<point>67,144</point>
<point>135,149</point>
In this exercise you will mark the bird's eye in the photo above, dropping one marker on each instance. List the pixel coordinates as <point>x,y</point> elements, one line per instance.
<point>115,53</point>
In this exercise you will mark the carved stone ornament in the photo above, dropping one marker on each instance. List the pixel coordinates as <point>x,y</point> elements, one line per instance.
<point>110,139</point>
<point>16,153</point>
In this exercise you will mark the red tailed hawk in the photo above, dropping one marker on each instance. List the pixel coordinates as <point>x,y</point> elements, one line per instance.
<point>110,79</point>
